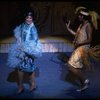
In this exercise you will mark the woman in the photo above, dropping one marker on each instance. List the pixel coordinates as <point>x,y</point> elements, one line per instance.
<point>83,37</point>
<point>22,54</point>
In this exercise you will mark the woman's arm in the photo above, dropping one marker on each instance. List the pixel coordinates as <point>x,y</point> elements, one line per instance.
<point>17,34</point>
<point>69,29</point>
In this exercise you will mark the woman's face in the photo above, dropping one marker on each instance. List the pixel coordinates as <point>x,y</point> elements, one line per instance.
<point>80,16</point>
<point>29,19</point>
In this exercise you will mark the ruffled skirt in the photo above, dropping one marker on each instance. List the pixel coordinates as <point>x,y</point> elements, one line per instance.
<point>22,55</point>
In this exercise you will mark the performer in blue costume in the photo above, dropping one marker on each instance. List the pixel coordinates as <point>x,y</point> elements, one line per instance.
<point>23,52</point>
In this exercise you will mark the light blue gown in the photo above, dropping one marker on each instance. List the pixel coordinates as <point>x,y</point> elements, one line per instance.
<point>22,54</point>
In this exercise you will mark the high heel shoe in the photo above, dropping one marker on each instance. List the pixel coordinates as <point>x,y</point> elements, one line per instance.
<point>20,90</point>
<point>32,88</point>
<point>86,84</point>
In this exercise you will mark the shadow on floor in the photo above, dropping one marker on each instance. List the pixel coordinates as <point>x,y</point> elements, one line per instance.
<point>13,76</point>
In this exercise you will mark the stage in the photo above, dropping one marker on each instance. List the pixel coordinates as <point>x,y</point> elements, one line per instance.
<point>52,78</point>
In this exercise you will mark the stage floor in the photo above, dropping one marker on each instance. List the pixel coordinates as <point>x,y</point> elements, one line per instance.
<point>52,78</point>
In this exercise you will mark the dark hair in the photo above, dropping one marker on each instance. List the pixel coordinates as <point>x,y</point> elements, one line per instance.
<point>29,13</point>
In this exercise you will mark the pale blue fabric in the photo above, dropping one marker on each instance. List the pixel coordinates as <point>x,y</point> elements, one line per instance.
<point>30,48</point>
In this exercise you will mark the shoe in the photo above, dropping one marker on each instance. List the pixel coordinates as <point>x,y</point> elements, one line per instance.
<point>32,88</point>
<point>20,90</point>
<point>86,83</point>
<point>82,89</point>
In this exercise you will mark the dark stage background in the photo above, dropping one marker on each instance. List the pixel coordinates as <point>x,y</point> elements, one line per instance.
<point>48,16</point>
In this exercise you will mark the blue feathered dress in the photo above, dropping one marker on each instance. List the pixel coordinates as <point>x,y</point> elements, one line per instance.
<point>27,47</point>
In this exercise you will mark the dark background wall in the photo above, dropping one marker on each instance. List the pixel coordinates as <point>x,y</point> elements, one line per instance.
<point>48,16</point>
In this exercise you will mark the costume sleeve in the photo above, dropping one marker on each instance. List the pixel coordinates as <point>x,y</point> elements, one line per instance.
<point>17,32</point>
<point>34,33</point>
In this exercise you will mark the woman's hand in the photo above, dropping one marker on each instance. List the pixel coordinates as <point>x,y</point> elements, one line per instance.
<point>68,24</point>
<point>70,30</point>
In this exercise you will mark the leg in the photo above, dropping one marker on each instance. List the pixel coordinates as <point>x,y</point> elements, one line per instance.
<point>78,73</point>
<point>84,82</point>
<point>32,81</point>
<point>20,81</point>
<point>76,65</point>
